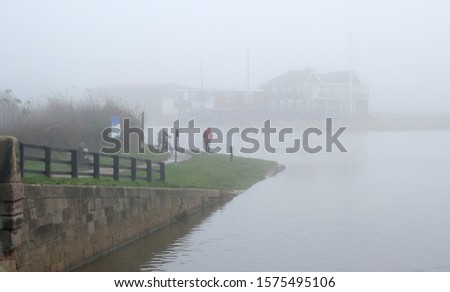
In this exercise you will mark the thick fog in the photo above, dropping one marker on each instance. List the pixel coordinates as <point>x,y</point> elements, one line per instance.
<point>399,48</point>
<point>360,181</point>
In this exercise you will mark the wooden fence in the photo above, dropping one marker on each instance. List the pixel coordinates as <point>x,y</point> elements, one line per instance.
<point>66,163</point>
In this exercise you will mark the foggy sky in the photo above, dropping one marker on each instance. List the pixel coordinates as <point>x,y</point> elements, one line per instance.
<point>400,48</point>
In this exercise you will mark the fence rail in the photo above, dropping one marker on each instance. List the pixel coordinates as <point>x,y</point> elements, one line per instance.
<point>65,162</point>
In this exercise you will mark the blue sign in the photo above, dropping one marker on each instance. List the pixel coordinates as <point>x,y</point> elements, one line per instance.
<point>115,127</point>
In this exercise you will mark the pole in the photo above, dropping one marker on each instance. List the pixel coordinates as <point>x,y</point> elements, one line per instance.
<point>248,69</point>
<point>350,69</point>
<point>177,134</point>
<point>201,73</point>
<point>231,153</point>
<point>141,143</point>
<point>48,159</point>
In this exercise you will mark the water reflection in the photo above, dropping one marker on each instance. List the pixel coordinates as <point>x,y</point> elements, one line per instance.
<point>150,252</point>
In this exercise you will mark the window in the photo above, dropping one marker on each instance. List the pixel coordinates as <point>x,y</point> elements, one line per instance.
<point>228,97</point>
<point>248,97</point>
<point>299,105</point>
<point>290,105</point>
<point>273,104</point>
<point>281,105</point>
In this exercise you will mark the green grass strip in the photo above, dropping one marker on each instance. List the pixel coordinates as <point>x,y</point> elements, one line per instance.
<point>204,171</point>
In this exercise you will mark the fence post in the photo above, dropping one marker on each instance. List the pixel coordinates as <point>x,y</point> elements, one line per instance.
<point>21,157</point>
<point>9,167</point>
<point>231,153</point>
<point>96,165</point>
<point>11,202</point>
<point>74,163</point>
<point>162,171</point>
<point>48,158</point>
<point>116,167</point>
<point>133,168</point>
<point>149,171</point>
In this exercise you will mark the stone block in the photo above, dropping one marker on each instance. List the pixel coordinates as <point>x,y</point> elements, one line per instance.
<point>58,266</point>
<point>11,208</point>
<point>90,217</point>
<point>33,191</point>
<point>45,220</point>
<point>57,217</point>
<point>40,208</point>
<point>34,223</point>
<point>44,230</point>
<point>72,192</point>
<point>8,265</point>
<point>11,192</point>
<point>9,160</point>
<point>55,256</point>
<point>33,214</point>
<point>108,211</point>
<point>69,235</point>
<point>11,222</point>
<point>10,239</point>
<point>67,214</point>
<point>91,227</point>
<point>53,191</point>
<point>88,252</point>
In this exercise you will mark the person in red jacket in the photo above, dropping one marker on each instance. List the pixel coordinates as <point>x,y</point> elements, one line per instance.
<point>207,137</point>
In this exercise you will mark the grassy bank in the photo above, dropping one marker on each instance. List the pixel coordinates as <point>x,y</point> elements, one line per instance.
<point>217,172</point>
<point>206,171</point>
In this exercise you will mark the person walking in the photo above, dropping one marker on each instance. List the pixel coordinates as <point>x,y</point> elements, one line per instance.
<point>207,137</point>
<point>82,156</point>
<point>163,140</point>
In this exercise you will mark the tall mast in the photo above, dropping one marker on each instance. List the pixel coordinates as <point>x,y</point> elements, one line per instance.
<point>201,73</point>
<point>350,69</point>
<point>248,69</point>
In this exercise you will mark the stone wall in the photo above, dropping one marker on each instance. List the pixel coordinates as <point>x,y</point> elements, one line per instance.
<point>11,195</point>
<point>58,227</point>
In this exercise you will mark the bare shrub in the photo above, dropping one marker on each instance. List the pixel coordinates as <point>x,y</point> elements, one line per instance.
<point>61,121</point>
<point>14,113</point>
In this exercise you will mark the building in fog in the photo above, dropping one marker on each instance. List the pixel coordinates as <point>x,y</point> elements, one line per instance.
<point>157,99</point>
<point>299,93</point>
<point>311,94</point>
<point>220,104</point>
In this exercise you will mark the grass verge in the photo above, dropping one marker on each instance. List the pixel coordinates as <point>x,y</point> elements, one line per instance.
<point>204,171</point>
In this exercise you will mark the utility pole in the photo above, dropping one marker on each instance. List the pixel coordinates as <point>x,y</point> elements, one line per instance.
<point>248,69</point>
<point>141,143</point>
<point>201,73</point>
<point>350,69</point>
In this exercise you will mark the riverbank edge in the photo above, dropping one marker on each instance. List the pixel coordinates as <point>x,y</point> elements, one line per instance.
<point>231,193</point>
<point>279,168</point>
<point>62,227</point>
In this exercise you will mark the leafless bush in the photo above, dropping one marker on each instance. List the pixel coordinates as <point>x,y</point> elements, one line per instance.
<point>61,121</point>
<point>14,113</point>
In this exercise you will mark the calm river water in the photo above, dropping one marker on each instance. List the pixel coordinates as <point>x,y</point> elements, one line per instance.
<point>383,206</point>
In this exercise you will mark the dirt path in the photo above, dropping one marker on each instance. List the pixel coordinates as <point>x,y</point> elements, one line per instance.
<point>180,157</point>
